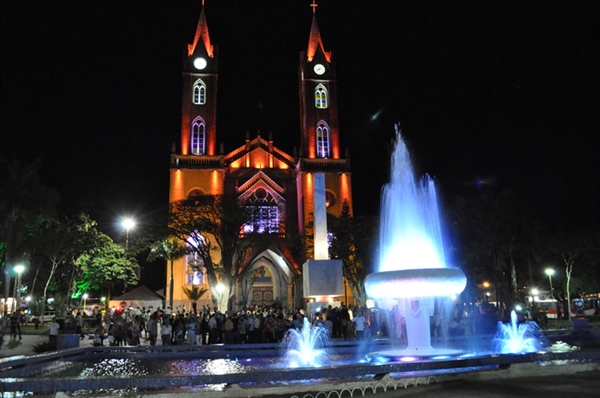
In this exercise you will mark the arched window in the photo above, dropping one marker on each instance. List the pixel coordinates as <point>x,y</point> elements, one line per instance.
<point>199,93</point>
<point>321,97</point>
<point>263,212</point>
<point>195,271</point>
<point>198,141</point>
<point>194,194</point>
<point>322,140</point>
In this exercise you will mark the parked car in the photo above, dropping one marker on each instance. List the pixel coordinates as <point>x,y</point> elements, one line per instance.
<point>46,317</point>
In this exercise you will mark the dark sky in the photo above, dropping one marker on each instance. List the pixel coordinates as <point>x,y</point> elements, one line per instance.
<point>504,92</point>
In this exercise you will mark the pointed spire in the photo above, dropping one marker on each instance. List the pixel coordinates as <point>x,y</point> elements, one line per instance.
<point>201,33</point>
<point>314,41</point>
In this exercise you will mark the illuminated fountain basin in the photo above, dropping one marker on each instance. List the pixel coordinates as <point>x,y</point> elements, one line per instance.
<point>519,337</point>
<point>416,289</point>
<point>412,269</point>
<point>307,347</point>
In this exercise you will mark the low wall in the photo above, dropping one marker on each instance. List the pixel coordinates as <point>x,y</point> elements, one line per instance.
<point>65,341</point>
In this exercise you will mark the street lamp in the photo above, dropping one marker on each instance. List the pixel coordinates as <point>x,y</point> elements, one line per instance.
<point>127,223</point>
<point>85,296</point>
<point>550,272</point>
<point>19,270</point>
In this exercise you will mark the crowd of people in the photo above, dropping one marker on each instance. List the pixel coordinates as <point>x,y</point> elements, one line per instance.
<point>118,327</point>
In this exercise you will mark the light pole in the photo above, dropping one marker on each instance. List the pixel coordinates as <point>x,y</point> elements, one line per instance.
<point>19,270</point>
<point>550,272</point>
<point>85,296</point>
<point>128,224</point>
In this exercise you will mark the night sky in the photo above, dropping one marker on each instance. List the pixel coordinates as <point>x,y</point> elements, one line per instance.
<point>501,93</point>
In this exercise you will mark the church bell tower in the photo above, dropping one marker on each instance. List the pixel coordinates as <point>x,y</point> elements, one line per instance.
<point>320,133</point>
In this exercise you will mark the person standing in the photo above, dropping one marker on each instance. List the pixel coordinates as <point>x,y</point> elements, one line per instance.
<point>228,331</point>
<point>360,324</point>
<point>15,326</point>
<point>191,330</point>
<point>165,332</point>
<point>53,333</point>
<point>213,330</point>
<point>243,329</point>
<point>153,328</point>
<point>79,325</point>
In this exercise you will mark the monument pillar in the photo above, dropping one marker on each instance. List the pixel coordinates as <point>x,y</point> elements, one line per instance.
<point>322,278</point>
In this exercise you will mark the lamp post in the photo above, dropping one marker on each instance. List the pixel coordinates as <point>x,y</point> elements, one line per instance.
<point>19,270</point>
<point>85,296</point>
<point>128,224</point>
<point>550,272</point>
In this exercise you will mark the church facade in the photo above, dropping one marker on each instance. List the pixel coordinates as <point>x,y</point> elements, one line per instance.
<point>276,186</point>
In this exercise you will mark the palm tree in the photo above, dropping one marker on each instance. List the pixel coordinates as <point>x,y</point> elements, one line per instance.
<point>194,293</point>
<point>170,250</point>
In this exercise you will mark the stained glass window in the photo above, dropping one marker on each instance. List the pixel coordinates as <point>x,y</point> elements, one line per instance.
<point>322,140</point>
<point>321,97</point>
<point>199,93</point>
<point>198,136</point>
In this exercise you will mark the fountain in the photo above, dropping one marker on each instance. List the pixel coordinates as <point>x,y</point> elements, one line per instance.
<point>412,270</point>
<point>518,337</point>
<point>412,275</point>
<point>307,347</point>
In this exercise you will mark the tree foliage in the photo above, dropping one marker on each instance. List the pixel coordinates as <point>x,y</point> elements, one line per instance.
<point>24,202</point>
<point>493,233</point>
<point>212,227</point>
<point>107,266</point>
<point>194,294</point>
<point>61,242</point>
<point>353,240</point>
<point>74,257</point>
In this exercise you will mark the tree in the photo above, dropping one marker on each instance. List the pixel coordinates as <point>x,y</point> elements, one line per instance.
<point>582,247</point>
<point>194,293</point>
<point>353,240</point>
<point>212,226</point>
<point>491,236</point>
<point>61,242</point>
<point>106,265</point>
<point>170,250</point>
<point>24,202</point>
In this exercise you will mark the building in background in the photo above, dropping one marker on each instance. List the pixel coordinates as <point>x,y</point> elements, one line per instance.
<point>275,185</point>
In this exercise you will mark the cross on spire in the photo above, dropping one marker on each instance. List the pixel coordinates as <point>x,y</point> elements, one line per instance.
<point>314,6</point>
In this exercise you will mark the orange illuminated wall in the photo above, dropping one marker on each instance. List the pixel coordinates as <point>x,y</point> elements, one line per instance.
<point>183,181</point>
<point>177,189</point>
<point>346,191</point>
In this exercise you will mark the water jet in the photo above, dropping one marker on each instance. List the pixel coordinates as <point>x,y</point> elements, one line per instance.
<point>412,269</point>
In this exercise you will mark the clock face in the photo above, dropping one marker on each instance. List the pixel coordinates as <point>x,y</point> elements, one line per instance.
<point>200,63</point>
<point>319,69</point>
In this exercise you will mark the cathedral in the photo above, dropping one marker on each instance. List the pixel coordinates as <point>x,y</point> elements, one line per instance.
<point>277,187</point>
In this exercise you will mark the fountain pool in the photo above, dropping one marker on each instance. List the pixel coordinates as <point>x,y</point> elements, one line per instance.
<point>412,277</point>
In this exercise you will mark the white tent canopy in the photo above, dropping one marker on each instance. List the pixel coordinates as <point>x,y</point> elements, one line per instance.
<point>140,297</point>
